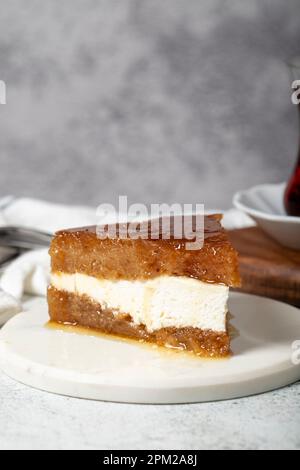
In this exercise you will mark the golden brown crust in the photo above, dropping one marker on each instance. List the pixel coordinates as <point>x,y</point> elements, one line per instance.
<point>73,309</point>
<point>79,250</point>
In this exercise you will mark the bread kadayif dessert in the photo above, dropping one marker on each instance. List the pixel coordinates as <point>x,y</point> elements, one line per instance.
<point>147,289</point>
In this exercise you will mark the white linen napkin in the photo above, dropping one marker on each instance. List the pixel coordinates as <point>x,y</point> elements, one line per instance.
<point>30,272</point>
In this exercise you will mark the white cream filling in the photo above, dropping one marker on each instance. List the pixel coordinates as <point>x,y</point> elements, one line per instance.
<point>161,302</point>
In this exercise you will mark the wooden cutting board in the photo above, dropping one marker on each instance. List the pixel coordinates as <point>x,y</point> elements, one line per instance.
<point>267,268</point>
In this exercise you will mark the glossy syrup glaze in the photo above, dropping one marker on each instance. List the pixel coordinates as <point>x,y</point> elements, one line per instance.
<point>151,255</point>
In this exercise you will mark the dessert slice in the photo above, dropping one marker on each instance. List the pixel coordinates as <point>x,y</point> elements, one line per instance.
<point>146,289</point>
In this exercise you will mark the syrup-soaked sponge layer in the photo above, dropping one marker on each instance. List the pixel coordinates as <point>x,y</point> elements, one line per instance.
<point>81,251</point>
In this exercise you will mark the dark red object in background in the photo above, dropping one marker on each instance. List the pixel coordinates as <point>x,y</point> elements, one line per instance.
<point>292,193</point>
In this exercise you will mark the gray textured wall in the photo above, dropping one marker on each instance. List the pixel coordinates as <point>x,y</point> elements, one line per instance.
<point>173,100</point>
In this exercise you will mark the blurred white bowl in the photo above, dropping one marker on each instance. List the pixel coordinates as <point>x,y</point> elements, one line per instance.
<point>265,205</point>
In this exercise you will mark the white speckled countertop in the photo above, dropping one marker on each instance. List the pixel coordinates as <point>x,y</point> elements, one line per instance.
<point>31,419</point>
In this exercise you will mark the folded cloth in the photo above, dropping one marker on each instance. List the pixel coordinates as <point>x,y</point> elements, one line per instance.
<point>27,274</point>
<point>45,216</point>
<point>30,272</point>
<point>9,306</point>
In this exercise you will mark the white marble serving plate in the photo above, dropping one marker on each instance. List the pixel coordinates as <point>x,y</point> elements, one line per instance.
<point>103,368</point>
<point>264,204</point>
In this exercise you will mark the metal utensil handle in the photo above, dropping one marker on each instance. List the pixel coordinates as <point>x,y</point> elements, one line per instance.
<point>25,238</point>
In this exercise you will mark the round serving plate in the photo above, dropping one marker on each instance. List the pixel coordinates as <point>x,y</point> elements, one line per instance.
<point>265,356</point>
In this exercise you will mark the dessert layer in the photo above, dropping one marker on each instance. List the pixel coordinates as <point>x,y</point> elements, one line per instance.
<point>65,307</point>
<point>162,302</point>
<point>80,251</point>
